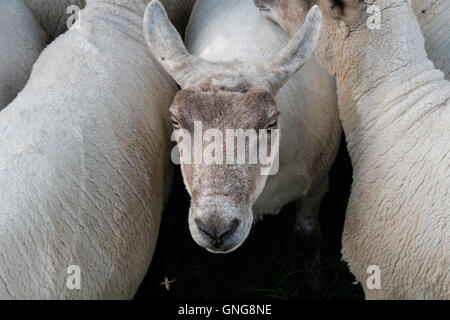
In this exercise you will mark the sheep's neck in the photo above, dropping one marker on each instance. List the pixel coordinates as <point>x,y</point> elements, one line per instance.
<point>387,84</point>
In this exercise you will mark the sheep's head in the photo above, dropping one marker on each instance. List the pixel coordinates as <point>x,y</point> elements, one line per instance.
<point>226,126</point>
<point>222,187</point>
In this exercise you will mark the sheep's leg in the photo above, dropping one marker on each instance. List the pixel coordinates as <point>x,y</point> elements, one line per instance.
<point>307,236</point>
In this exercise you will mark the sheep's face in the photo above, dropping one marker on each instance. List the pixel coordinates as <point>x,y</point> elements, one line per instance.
<point>289,14</point>
<point>226,125</point>
<point>223,188</point>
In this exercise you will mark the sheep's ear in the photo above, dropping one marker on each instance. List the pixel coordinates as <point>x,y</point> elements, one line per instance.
<point>346,10</point>
<point>166,44</point>
<point>288,61</point>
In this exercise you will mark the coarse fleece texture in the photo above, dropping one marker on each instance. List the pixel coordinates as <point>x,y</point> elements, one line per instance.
<point>396,117</point>
<point>83,155</point>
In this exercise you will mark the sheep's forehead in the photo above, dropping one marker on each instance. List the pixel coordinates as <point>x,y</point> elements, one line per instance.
<point>223,109</point>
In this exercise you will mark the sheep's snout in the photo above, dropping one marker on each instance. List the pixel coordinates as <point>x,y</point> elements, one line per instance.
<point>220,232</point>
<point>217,235</point>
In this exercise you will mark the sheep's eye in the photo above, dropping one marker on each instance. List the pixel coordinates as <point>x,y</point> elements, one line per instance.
<point>272,124</point>
<point>175,123</point>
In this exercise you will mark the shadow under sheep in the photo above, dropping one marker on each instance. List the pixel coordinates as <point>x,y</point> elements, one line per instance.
<point>265,267</point>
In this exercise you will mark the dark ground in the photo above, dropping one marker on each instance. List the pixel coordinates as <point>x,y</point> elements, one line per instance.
<point>264,267</point>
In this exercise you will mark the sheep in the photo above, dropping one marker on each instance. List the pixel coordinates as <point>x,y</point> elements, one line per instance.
<point>434,20</point>
<point>395,116</point>
<point>22,41</point>
<point>83,161</point>
<point>225,87</point>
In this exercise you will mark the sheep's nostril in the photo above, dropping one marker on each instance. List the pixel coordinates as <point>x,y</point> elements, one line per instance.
<point>233,226</point>
<point>208,232</point>
<point>218,237</point>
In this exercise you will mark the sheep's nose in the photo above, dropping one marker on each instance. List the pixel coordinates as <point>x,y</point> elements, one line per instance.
<point>218,236</point>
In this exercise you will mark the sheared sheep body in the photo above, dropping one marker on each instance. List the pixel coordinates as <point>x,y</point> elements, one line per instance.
<point>84,161</point>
